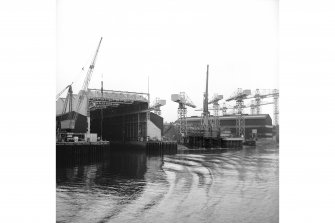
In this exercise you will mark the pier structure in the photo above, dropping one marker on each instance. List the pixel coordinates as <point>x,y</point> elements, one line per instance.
<point>78,152</point>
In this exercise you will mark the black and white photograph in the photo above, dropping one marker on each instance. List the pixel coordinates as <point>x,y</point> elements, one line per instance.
<point>167,111</point>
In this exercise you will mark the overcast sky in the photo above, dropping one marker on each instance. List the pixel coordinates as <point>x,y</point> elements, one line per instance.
<point>172,42</point>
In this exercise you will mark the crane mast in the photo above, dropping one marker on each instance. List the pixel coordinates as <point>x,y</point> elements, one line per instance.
<point>83,91</point>
<point>183,101</point>
<point>239,97</point>
<point>215,101</point>
<point>156,107</point>
<point>68,100</point>
<point>274,93</point>
<point>205,113</point>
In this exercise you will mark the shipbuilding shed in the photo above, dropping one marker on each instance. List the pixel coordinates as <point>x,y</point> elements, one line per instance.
<point>261,123</point>
<point>115,116</point>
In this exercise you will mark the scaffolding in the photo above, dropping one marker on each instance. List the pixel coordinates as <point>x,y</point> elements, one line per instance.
<point>276,106</point>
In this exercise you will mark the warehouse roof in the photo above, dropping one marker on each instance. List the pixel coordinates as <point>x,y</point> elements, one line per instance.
<point>116,96</point>
<point>231,117</point>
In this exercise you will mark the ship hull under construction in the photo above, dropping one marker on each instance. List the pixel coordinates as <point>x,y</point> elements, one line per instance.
<point>116,116</point>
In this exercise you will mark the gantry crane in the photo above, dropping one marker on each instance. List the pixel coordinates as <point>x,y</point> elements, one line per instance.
<point>225,107</point>
<point>215,101</point>
<point>265,93</point>
<point>156,107</point>
<point>216,107</point>
<point>253,105</point>
<point>239,97</point>
<point>276,106</point>
<point>183,101</point>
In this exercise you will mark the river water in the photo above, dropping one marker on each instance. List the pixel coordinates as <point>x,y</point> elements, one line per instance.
<point>232,186</point>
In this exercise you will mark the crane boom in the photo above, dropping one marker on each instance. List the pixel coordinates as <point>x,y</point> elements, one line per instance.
<point>84,88</point>
<point>216,98</point>
<point>156,107</point>
<point>60,93</point>
<point>182,99</point>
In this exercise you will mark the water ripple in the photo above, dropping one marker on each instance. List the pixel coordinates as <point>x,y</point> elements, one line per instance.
<point>235,186</point>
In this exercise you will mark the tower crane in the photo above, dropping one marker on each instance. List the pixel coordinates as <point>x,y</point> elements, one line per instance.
<point>156,107</point>
<point>239,97</point>
<point>183,101</point>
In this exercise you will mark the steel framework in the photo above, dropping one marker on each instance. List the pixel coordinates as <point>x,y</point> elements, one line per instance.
<point>216,107</point>
<point>182,101</point>
<point>253,107</point>
<point>239,96</point>
<point>156,106</point>
<point>258,102</point>
<point>182,112</point>
<point>276,106</point>
<point>240,119</point>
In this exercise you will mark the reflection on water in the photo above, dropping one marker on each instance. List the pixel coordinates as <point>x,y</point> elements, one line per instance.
<point>234,186</point>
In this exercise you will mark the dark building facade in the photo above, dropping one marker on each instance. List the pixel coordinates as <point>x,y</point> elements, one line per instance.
<point>260,123</point>
<point>114,116</point>
<point>125,123</point>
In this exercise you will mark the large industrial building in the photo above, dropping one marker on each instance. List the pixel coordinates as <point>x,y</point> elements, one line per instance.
<point>261,124</point>
<point>113,115</point>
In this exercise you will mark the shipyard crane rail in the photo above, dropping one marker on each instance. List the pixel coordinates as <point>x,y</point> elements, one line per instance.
<point>83,91</point>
